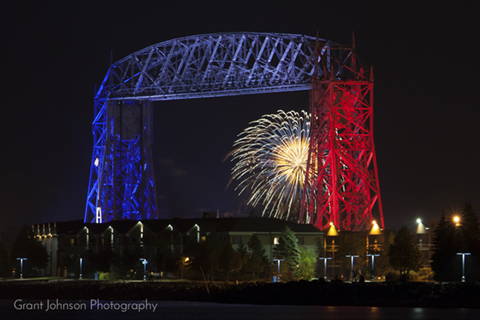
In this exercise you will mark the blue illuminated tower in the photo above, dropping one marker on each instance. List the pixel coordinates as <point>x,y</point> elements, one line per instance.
<point>122,171</point>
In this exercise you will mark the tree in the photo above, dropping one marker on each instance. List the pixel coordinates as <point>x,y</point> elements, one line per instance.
<point>243,253</point>
<point>289,250</point>
<point>470,228</point>
<point>404,255</point>
<point>100,261</point>
<point>351,243</point>
<point>165,257</point>
<point>206,260</point>
<point>307,264</point>
<point>128,260</point>
<point>445,248</point>
<point>27,247</point>
<point>257,264</point>
<point>471,241</point>
<point>470,225</point>
<point>230,260</point>
<point>450,239</point>
<point>382,265</point>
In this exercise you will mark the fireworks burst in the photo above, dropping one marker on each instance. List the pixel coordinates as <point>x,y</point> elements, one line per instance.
<point>270,159</point>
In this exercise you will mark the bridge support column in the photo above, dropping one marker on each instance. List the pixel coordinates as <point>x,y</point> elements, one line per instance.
<point>122,181</point>
<point>342,184</point>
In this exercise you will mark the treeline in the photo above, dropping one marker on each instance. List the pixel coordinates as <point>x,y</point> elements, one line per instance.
<point>215,258</point>
<point>450,239</point>
<point>23,247</point>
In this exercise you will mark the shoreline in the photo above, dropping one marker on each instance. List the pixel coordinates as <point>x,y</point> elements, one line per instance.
<point>319,293</point>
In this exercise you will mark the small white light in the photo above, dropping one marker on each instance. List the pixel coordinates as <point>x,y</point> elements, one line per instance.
<point>96,162</point>
<point>98,216</point>
<point>419,220</point>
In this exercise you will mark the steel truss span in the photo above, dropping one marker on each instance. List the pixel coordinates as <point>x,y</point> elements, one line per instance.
<point>122,180</point>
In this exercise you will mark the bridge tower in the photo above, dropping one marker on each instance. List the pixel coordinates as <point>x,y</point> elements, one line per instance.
<point>341,185</point>
<point>122,181</point>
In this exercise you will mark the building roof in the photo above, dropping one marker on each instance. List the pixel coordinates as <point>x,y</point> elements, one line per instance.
<point>245,224</point>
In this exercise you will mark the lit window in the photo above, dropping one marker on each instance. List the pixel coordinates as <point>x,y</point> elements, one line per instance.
<point>276,240</point>
<point>203,238</point>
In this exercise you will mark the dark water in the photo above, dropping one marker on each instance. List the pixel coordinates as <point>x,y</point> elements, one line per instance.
<point>192,310</point>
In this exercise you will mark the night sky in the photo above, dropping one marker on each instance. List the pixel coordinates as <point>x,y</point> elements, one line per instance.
<point>426,105</point>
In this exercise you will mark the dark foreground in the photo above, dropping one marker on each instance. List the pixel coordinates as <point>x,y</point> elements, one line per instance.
<point>205,310</point>
<point>293,293</point>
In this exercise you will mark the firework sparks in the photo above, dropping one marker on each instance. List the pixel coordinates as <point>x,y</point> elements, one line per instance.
<point>270,159</point>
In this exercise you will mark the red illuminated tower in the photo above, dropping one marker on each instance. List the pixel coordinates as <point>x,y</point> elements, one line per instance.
<point>342,178</point>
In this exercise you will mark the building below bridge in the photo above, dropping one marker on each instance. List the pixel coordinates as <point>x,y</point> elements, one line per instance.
<point>347,255</point>
<point>67,242</point>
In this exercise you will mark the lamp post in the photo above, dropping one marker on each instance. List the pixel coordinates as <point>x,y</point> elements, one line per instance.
<point>457,220</point>
<point>21,266</point>
<point>373,255</point>
<point>352,258</point>
<point>420,226</point>
<point>277,277</point>
<point>144,262</point>
<point>325,259</point>
<point>81,269</point>
<point>463,254</point>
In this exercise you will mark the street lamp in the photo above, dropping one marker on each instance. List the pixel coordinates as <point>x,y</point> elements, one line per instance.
<point>352,258</point>
<point>81,269</point>
<point>373,255</point>
<point>144,262</point>
<point>277,261</point>
<point>463,254</point>
<point>375,230</point>
<point>456,220</point>
<point>325,259</point>
<point>21,266</point>
<point>332,230</point>
<point>420,226</point>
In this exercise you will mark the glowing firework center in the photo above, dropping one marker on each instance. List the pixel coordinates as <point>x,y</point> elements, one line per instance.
<point>291,159</point>
<point>270,163</point>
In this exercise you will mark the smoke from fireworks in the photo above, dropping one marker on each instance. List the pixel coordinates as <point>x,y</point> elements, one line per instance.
<point>270,159</point>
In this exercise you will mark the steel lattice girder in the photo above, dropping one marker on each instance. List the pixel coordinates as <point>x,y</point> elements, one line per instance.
<point>199,66</point>
<point>219,65</point>
<point>342,179</point>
